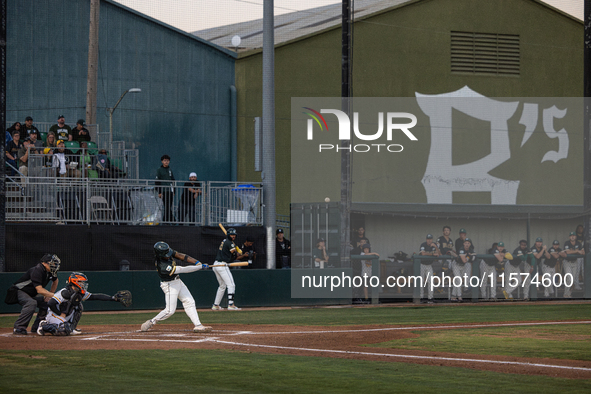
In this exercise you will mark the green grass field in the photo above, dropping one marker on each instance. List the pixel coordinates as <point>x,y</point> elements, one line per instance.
<point>180,371</point>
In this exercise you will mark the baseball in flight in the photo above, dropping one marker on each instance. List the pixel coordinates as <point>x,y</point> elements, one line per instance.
<point>327,199</point>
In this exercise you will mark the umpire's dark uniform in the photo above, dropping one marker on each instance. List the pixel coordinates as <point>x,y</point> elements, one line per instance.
<point>30,299</point>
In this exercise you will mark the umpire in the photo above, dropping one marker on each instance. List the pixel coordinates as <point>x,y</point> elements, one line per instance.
<point>32,293</point>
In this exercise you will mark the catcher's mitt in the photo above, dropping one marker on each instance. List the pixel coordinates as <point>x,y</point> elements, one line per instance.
<point>124,297</point>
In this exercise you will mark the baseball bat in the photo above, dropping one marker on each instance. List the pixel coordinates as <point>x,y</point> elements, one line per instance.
<point>224,230</point>
<point>241,264</point>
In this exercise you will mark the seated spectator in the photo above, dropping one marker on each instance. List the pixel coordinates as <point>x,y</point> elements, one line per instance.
<point>51,140</point>
<point>8,138</point>
<point>36,143</point>
<point>61,130</point>
<point>282,251</point>
<point>62,161</point>
<point>29,128</point>
<point>12,150</point>
<point>16,126</point>
<point>320,255</point>
<point>104,167</point>
<point>80,133</point>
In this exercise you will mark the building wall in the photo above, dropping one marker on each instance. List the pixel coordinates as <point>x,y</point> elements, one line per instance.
<point>403,51</point>
<point>183,109</point>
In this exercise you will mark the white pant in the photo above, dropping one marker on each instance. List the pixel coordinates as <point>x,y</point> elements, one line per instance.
<point>548,291</point>
<point>173,290</point>
<point>569,267</point>
<point>225,280</point>
<point>460,270</point>
<point>486,271</point>
<point>426,270</point>
<point>526,268</point>
<point>511,269</point>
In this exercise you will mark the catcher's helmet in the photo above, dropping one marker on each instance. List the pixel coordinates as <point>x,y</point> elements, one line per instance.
<point>161,249</point>
<point>53,261</point>
<point>79,280</point>
<point>232,231</point>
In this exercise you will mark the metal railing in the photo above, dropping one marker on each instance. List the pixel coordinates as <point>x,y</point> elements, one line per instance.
<point>131,201</point>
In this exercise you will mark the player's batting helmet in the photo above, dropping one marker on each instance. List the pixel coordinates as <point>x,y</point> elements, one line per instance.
<point>161,249</point>
<point>232,231</point>
<point>79,280</point>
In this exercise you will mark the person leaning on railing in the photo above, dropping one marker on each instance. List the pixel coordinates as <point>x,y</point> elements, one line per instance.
<point>62,161</point>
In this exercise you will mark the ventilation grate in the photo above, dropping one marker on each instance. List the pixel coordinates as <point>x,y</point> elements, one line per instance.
<point>485,53</point>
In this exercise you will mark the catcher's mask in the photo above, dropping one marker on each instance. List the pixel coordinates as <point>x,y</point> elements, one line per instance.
<point>162,250</point>
<point>79,280</point>
<point>53,261</point>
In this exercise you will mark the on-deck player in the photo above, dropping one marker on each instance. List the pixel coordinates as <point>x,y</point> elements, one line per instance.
<point>226,254</point>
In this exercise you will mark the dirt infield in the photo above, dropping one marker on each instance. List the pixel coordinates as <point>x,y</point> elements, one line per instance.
<point>339,342</point>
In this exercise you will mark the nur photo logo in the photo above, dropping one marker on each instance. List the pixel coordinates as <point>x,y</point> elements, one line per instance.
<point>389,121</point>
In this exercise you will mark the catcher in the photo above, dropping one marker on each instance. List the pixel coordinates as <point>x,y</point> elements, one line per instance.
<point>65,307</point>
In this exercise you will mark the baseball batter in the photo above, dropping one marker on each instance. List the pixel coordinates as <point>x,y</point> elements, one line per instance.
<point>226,254</point>
<point>173,287</point>
<point>65,307</point>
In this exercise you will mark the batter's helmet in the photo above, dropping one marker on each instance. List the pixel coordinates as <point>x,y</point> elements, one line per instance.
<point>79,280</point>
<point>232,231</point>
<point>161,249</point>
<point>53,261</point>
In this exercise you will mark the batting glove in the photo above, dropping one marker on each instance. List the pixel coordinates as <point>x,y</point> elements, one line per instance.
<point>204,266</point>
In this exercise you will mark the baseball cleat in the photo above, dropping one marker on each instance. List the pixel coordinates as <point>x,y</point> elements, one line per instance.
<point>76,331</point>
<point>147,325</point>
<point>216,308</point>
<point>19,331</point>
<point>201,328</point>
<point>233,308</point>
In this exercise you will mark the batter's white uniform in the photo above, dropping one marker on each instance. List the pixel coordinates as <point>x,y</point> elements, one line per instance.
<point>225,280</point>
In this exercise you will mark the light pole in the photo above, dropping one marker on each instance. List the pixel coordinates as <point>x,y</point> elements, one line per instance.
<point>111,110</point>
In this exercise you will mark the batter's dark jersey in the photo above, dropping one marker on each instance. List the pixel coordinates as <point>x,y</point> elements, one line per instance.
<point>38,276</point>
<point>166,269</point>
<point>224,251</point>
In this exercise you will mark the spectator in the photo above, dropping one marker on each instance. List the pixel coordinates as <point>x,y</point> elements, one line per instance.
<point>36,143</point>
<point>463,266</point>
<point>104,167</point>
<point>248,252</point>
<point>30,129</point>
<point>320,255</point>
<point>460,241</point>
<point>8,137</point>
<point>282,251</point>
<point>191,193</point>
<point>12,150</point>
<point>62,161</point>
<point>32,293</point>
<point>366,268</point>
<point>166,187</point>
<point>23,157</point>
<point>80,133</point>
<point>427,248</point>
<point>61,130</point>
<point>573,249</point>
<point>16,126</point>
<point>549,262</point>
<point>51,140</point>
